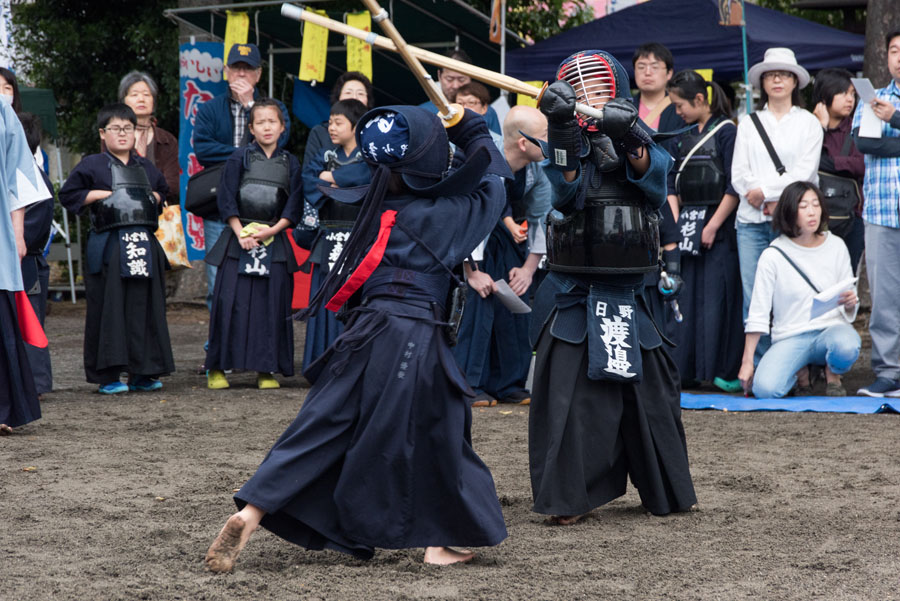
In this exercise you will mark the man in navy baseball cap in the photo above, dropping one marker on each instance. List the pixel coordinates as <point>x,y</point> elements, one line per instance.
<point>244,53</point>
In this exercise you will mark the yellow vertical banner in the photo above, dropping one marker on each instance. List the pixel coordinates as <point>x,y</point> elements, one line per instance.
<point>707,75</point>
<point>237,25</point>
<point>313,51</point>
<point>359,53</point>
<point>528,100</point>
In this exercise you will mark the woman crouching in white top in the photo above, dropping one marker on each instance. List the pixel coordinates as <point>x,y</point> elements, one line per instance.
<point>782,291</point>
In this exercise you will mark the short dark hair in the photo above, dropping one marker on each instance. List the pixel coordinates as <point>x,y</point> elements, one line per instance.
<point>689,83</point>
<point>263,103</point>
<point>457,54</point>
<point>473,88</point>
<point>784,219</point>
<point>31,123</point>
<point>10,78</point>
<point>116,110</point>
<point>353,76</point>
<point>350,108</point>
<point>829,83</point>
<point>657,50</point>
<point>890,37</point>
<point>796,100</point>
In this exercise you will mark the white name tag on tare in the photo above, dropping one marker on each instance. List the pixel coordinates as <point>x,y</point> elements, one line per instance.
<point>869,124</point>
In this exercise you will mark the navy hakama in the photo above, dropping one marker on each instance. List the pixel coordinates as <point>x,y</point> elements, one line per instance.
<point>493,349</point>
<point>251,326</point>
<point>380,454</point>
<point>710,340</point>
<point>322,328</point>
<point>125,328</point>
<point>18,397</point>
<point>36,276</point>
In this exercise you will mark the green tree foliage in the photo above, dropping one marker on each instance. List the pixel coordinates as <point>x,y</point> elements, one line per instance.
<point>81,50</point>
<point>832,18</point>
<point>540,20</point>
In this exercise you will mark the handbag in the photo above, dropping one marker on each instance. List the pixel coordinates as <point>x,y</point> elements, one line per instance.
<point>842,197</point>
<point>202,191</point>
<point>170,234</point>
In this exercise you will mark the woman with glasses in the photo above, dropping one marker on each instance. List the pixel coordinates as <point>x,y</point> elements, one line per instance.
<point>759,177</point>
<point>139,91</point>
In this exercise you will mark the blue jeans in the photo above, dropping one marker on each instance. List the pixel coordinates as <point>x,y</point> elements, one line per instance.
<point>211,232</point>
<point>752,240</point>
<point>836,346</point>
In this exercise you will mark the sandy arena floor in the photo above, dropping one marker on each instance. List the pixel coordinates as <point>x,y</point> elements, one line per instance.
<point>119,498</point>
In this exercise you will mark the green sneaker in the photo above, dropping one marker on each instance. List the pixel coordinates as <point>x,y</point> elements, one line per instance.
<point>728,385</point>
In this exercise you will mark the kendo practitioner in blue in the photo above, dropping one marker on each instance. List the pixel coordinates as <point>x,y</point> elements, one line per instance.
<point>35,269</point>
<point>493,349</point>
<point>250,325</point>
<point>125,327</point>
<point>337,164</point>
<point>380,454</point>
<point>606,399</point>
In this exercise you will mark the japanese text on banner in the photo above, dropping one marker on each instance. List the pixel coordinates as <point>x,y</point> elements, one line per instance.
<point>313,51</point>
<point>359,53</point>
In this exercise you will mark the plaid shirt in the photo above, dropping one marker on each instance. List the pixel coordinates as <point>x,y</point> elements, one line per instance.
<point>240,115</point>
<point>881,187</point>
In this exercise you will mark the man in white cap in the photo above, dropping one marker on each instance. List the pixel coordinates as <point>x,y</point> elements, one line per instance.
<point>796,139</point>
<point>881,190</point>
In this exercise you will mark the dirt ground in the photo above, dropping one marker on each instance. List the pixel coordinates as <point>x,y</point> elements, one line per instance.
<point>118,499</point>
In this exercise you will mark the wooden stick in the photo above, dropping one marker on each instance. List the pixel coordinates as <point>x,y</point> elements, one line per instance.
<point>487,76</point>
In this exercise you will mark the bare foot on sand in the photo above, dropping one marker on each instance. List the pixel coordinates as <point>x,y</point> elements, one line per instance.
<point>444,556</point>
<point>565,520</point>
<point>5,430</point>
<point>227,546</point>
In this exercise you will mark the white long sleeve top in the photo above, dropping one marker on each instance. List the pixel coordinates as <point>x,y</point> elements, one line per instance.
<point>797,139</point>
<point>779,290</point>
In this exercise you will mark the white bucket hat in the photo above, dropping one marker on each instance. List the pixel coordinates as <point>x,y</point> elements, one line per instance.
<point>779,59</point>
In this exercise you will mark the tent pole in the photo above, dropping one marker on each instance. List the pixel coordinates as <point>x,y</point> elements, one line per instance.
<point>65,213</point>
<point>748,90</point>
<point>271,73</point>
<point>503,93</point>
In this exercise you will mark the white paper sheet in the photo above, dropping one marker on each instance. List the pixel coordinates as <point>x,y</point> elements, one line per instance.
<point>509,298</point>
<point>827,300</point>
<point>870,125</point>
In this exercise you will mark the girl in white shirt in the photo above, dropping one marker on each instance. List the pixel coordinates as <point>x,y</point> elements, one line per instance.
<point>780,290</point>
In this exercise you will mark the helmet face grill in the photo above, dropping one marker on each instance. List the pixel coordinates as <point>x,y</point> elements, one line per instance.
<point>593,79</point>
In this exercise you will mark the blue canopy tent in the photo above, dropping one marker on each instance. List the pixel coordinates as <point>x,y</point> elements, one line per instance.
<point>691,30</point>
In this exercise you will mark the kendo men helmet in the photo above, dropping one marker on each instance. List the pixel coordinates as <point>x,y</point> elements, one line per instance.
<point>597,77</point>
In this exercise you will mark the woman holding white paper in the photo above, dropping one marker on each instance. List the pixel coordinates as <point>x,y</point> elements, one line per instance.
<point>804,260</point>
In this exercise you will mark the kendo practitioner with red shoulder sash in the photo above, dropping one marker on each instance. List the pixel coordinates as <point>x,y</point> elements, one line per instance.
<point>380,454</point>
<point>606,399</point>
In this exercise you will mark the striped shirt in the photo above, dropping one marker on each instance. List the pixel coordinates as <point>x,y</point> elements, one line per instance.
<point>881,186</point>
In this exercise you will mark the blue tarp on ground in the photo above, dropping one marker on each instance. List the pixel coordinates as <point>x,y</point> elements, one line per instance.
<point>691,30</point>
<point>849,404</point>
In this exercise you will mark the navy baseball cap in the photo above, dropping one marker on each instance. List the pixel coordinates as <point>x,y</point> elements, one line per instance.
<point>244,53</point>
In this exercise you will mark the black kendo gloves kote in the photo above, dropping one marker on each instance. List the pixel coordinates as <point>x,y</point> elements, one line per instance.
<point>619,122</point>
<point>563,131</point>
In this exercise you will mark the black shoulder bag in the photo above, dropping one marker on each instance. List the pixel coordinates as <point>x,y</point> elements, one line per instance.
<point>202,191</point>
<point>842,197</point>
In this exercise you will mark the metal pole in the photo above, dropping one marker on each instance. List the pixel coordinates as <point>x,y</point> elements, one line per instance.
<point>747,88</point>
<point>271,72</point>
<point>59,181</point>
<point>504,93</point>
